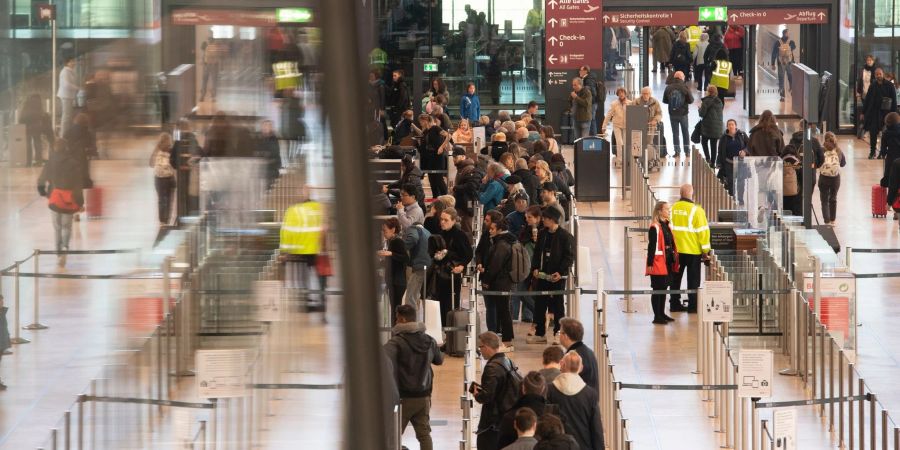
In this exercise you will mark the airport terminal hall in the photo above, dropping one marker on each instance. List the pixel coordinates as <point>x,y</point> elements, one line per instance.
<point>449,224</point>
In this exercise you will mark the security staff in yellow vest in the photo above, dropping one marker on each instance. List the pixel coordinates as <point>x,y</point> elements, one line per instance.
<point>721,74</point>
<point>302,239</point>
<point>693,34</point>
<point>691,232</point>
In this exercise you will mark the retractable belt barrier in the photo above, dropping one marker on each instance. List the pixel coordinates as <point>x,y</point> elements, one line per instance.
<point>73,276</point>
<point>875,250</point>
<point>816,401</point>
<point>322,387</point>
<point>611,218</point>
<point>145,401</point>
<point>877,275</point>
<point>680,387</point>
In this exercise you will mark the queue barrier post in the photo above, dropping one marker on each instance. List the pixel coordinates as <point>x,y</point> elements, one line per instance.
<point>17,338</point>
<point>36,325</point>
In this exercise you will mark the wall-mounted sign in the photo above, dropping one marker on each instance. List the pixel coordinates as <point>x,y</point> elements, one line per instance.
<point>430,67</point>
<point>294,15</point>
<point>713,14</point>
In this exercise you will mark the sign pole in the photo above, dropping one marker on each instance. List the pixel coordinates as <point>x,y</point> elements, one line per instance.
<point>53,76</point>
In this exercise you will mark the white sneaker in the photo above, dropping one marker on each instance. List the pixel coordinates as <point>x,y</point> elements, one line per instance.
<point>555,338</point>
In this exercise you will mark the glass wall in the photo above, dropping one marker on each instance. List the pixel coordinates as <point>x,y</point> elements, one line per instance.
<point>868,27</point>
<point>496,44</point>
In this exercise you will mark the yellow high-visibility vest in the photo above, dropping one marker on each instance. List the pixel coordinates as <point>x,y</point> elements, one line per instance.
<point>694,33</point>
<point>721,75</point>
<point>690,228</point>
<point>301,231</point>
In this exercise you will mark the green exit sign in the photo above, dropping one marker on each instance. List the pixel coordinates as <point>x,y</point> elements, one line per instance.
<point>713,13</point>
<point>430,67</point>
<point>293,15</point>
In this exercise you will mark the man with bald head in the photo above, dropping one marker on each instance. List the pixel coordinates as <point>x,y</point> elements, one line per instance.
<point>691,232</point>
<point>678,97</point>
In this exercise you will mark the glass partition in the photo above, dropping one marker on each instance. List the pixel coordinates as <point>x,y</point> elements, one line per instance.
<point>758,188</point>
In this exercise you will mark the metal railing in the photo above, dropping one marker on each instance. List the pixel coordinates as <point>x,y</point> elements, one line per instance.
<point>709,190</point>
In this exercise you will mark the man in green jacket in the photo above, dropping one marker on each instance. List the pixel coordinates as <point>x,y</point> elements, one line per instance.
<point>581,102</point>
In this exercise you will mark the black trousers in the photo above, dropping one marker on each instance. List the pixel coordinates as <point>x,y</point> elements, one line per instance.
<point>165,187</point>
<point>396,293</point>
<point>438,184</point>
<point>828,189</point>
<point>691,265</point>
<point>736,55</point>
<point>710,149</point>
<point>34,148</point>
<point>488,439</point>
<point>554,303</point>
<point>499,317</point>
<point>658,301</point>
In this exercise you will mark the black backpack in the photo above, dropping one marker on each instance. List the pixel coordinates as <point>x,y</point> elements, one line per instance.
<point>417,381</point>
<point>509,394</point>
<point>466,192</point>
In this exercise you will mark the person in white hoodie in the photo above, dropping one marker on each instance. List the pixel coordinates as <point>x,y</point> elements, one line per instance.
<point>67,92</point>
<point>578,404</point>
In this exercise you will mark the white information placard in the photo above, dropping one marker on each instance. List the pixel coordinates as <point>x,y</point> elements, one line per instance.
<point>479,138</point>
<point>637,142</point>
<point>717,301</point>
<point>785,433</point>
<point>221,373</point>
<point>756,371</point>
<point>269,296</point>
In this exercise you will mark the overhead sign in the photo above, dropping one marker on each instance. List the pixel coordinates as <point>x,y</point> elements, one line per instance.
<point>648,18</point>
<point>573,32</point>
<point>713,14</point>
<point>755,373</point>
<point>46,12</point>
<point>221,373</point>
<point>784,421</point>
<point>236,17</point>
<point>778,16</point>
<point>717,301</point>
<point>430,67</point>
<point>293,15</point>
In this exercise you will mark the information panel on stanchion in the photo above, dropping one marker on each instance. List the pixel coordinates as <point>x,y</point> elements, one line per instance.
<point>269,300</point>
<point>221,373</point>
<point>838,309</point>
<point>785,424</point>
<point>592,169</point>
<point>756,370</point>
<point>717,301</point>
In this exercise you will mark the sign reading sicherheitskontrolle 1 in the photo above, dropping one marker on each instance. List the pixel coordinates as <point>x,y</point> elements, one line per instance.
<point>756,371</point>
<point>573,34</point>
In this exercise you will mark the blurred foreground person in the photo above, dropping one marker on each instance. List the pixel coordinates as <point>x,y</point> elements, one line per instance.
<point>62,181</point>
<point>302,247</point>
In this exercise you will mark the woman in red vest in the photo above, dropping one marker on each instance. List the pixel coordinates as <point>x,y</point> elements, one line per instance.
<point>662,260</point>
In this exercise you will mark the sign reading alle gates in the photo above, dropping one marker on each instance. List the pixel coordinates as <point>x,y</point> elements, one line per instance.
<point>713,14</point>
<point>756,371</point>
<point>717,301</point>
<point>758,16</point>
<point>573,33</point>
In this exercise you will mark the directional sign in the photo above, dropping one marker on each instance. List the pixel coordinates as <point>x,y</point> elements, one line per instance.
<point>648,18</point>
<point>717,301</point>
<point>778,16</point>
<point>755,373</point>
<point>713,14</point>
<point>573,33</point>
<point>46,12</point>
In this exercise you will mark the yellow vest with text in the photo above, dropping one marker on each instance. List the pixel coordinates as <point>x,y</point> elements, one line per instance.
<point>720,76</point>
<point>694,33</point>
<point>301,231</point>
<point>690,228</point>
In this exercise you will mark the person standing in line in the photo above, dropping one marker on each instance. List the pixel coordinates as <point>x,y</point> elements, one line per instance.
<point>690,230</point>
<point>533,391</point>
<point>662,261</point>
<point>830,178</point>
<point>678,97</point>
<point>163,163</point>
<point>525,424</point>
<point>550,360</point>
<point>415,238</point>
<point>497,392</point>
<point>681,55</point>
<point>412,353</point>
<point>880,101</point>
<point>616,115</point>
<point>432,151</point>
<point>551,435</point>
<point>398,99</point>
<point>590,83</point>
<point>496,277</point>
<point>734,42</point>
<point>782,58</point>
<point>409,212</point>
<point>581,103</point>
<point>459,254</point>
<point>470,105</point>
<point>571,334</point>
<point>579,404</point>
<point>711,116</point>
<point>396,260</point>
<point>765,138</point>
<point>553,257</point>
<point>67,92</point>
<point>61,181</point>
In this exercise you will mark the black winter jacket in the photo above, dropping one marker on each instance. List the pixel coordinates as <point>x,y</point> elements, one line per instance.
<point>893,181</point>
<point>412,352</point>
<point>64,170</point>
<point>589,372</point>
<point>765,142</point>
<point>579,410</point>
<point>890,149</point>
<point>508,435</point>
<point>494,383</point>
<point>459,246</point>
<point>531,184</point>
<point>496,274</point>
<point>554,252</point>
<point>561,442</point>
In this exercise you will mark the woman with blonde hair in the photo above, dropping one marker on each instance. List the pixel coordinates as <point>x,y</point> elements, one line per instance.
<point>662,260</point>
<point>163,164</point>
<point>830,178</point>
<point>463,134</point>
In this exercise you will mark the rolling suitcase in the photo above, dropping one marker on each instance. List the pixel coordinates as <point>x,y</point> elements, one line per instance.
<point>458,321</point>
<point>93,202</point>
<point>879,201</point>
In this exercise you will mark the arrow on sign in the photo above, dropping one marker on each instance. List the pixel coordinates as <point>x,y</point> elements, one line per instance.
<point>552,22</point>
<point>790,16</point>
<point>552,40</point>
<point>605,18</point>
<point>705,14</point>
<point>821,17</point>
<point>552,59</point>
<point>552,4</point>
<point>734,17</point>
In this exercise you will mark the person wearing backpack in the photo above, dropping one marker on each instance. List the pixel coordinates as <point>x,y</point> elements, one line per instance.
<point>578,403</point>
<point>415,238</point>
<point>678,97</point>
<point>791,197</point>
<point>782,58</point>
<point>830,178</point>
<point>681,55</point>
<point>497,276</point>
<point>61,181</point>
<point>412,352</point>
<point>500,388</point>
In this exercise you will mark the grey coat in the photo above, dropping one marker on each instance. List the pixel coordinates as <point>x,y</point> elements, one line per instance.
<point>4,330</point>
<point>711,110</point>
<point>662,45</point>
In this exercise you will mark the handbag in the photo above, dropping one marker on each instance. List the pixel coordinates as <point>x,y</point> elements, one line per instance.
<point>323,265</point>
<point>63,201</point>
<point>695,135</point>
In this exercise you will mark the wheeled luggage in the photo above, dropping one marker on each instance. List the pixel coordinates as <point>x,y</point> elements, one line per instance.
<point>432,315</point>
<point>93,202</point>
<point>879,201</point>
<point>458,324</point>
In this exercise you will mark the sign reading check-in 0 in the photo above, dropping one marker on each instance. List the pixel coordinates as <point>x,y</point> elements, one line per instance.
<point>573,33</point>
<point>736,16</point>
